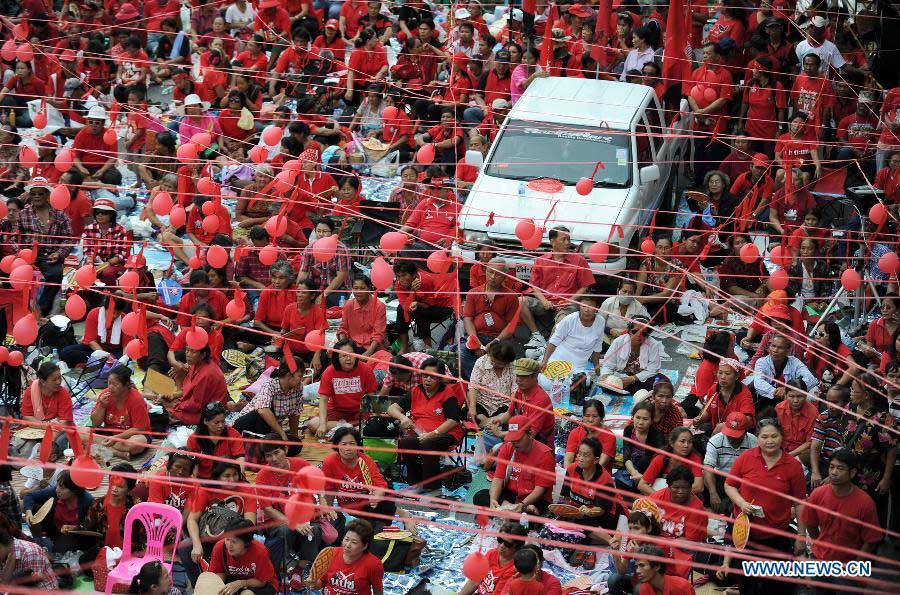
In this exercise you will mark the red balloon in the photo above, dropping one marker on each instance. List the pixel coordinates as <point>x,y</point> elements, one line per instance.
<point>425,155</point>
<point>129,281</point>
<point>525,229</point>
<point>710,95</point>
<point>584,186</point>
<point>28,157</point>
<point>382,274</point>
<point>131,324</point>
<point>284,180</point>
<point>878,214</point>
<point>110,137</point>
<point>312,477</point>
<point>850,280</point>
<point>315,340</point>
<point>888,263</point>
<point>197,338</point>
<point>749,253</point>
<point>473,343</point>
<point>392,241</point>
<point>268,255</point>
<point>598,252</point>
<point>476,566</point>
<point>26,255</point>
<point>25,331</point>
<point>75,307</point>
<point>39,120</point>
<point>697,93</point>
<point>202,139</point>
<point>6,263</point>
<point>258,154</point>
<point>299,509</point>
<point>86,473</point>
<point>8,51</point>
<point>63,160</point>
<point>276,226</point>
<point>208,208</point>
<point>207,186</point>
<point>162,203</point>
<point>780,256</point>
<point>195,263</point>
<point>438,262</point>
<point>293,165</point>
<point>85,276</point>
<point>60,197</point>
<point>177,217</point>
<point>325,248</point>
<point>210,223</point>
<point>18,262</point>
<point>535,240</point>
<point>16,358</point>
<point>25,53</point>
<point>217,257</point>
<point>272,135</point>
<point>134,349</point>
<point>235,309</point>
<point>187,152</point>
<point>4,354</point>
<point>648,246</point>
<point>778,280</point>
<point>390,113</point>
<point>21,276</point>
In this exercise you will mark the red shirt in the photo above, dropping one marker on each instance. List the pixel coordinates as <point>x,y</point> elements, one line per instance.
<point>798,426</point>
<point>539,411</point>
<point>720,80</point>
<point>292,61</point>
<point>364,576</point>
<point>365,64</point>
<point>164,490</point>
<point>749,473</point>
<point>352,12</point>
<point>520,586</point>
<point>345,390</point>
<point>739,403</point>
<point>660,465</point>
<point>246,60</point>
<point>833,530</point>
<point>301,324</point>
<point>212,297</point>
<point>272,305</point>
<point>56,406</point>
<point>519,469</point>
<point>241,498</point>
<point>364,324</point>
<point>254,563</point>
<point>229,446</point>
<point>204,384</point>
<point>490,316</point>
<point>812,95</point>
<point>795,150</point>
<point>33,89</point>
<point>607,441</point>
<point>92,150</point>
<point>429,413</point>
<point>435,223</point>
<point>672,585</point>
<point>270,21</point>
<point>559,280</point>
<point>859,131</point>
<point>763,102</point>
<point>678,523</point>
<point>91,332</point>
<point>889,181</point>
<point>133,414</point>
<point>272,484</point>
<point>791,212</point>
<point>309,192</point>
<point>591,495</point>
<point>497,576</point>
<point>394,128</point>
<point>493,87</point>
<point>337,46</point>
<point>195,224</point>
<point>345,477</point>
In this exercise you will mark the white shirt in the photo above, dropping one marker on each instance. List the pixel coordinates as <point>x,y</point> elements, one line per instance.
<point>575,342</point>
<point>649,359</point>
<point>237,19</point>
<point>827,51</point>
<point>614,320</point>
<point>635,60</point>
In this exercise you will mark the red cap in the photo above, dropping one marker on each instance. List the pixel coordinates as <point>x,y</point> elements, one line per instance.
<point>518,424</point>
<point>48,140</point>
<point>780,311</point>
<point>310,155</point>
<point>331,24</point>
<point>68,56</point>
<point>581,11</point>
<point>735,425</point>
<point>760,160</point>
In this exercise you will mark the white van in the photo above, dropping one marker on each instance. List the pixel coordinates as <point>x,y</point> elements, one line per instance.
<point>559,129</point>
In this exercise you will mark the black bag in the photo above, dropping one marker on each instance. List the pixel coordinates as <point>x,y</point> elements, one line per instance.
<point>216,519</point>
<point>159,422</point>
<point>49,335</point>
<point>397,549</point>
<point>380,426</point>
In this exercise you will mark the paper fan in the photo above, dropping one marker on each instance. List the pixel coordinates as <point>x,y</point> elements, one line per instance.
<point>398,534</point>
<point>740,532</point>
<point>29,434</point>
<point>558,369</point>
<point>208,583</point>
<point>564,511</point>
<point>42,512</point>
<point>235,358</point>
<point>321,564</point>
<point>648,506</point>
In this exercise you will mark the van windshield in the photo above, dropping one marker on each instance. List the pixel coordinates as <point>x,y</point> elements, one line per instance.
<point>529,150</point>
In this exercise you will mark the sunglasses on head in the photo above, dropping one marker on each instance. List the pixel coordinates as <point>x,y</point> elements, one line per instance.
<point>215,407</point>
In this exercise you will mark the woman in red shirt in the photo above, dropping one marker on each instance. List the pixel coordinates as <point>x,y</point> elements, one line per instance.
<point>122,414</point>
<point>273,302</point>
<point>367,62</point>
<point>500,559</point>
<point>364,318</point>
<point>354,564</point>
<point>593,414</point>
<point>254,59</point>
<point>300,319</point>
<point>728,395</point>
<point>764,105</point>
<point>828,351</point>
<point>597,503</point>
<point>681,444</point>
<point>341,389</point>
<point>242,562</point>
<point>331,39</point>
<point>106,517</point>
<point>213,438</point>
<point>888,179</point>
<point>204,383</point>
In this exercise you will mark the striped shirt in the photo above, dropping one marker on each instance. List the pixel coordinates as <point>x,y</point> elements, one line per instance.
<point>829,431</point>
<point>720,454</point>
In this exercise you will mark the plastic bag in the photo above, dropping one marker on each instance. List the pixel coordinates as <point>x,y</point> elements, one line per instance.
<point>480,449</point>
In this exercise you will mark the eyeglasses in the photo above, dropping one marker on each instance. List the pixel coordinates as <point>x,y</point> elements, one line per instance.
<point>506,542</point>
<point>819,334</point>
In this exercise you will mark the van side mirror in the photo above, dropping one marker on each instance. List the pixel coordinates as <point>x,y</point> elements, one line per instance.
<point>474,158</point>
<point>649,174</point>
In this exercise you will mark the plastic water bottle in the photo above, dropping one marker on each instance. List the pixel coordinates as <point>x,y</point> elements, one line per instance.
<point>522,186</point>
<point>523,520</point>
<point>342,301</point>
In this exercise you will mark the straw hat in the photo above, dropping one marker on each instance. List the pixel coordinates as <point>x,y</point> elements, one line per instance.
<point>614,384</point>
<point>208,583</point>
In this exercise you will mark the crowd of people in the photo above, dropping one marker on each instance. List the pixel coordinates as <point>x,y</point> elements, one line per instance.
<point>237,137</point>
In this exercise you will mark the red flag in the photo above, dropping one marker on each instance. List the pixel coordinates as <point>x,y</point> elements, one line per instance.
<point>4,439</point>
<point>547,44</point>
<point>601,35</point>
<point>677,54</point>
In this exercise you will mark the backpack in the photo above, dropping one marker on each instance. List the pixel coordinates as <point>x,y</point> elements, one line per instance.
<point>216,519</point>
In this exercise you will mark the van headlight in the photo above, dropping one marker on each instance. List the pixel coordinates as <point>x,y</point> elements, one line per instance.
<point>475,237</point>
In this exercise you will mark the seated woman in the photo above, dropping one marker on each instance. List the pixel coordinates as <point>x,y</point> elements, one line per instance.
<point>153,579</point>
<point>354,564</point>
<point>592,415</point>
<point>301,318</point>
<point>637,435</point>
<point>492,380</point>
<point>70,506</point>
<point>667,414</point>
<point>106,517</point>
<point>828,352</point>
<point>430,419</point>
<point>281,396</point>
<point>618,309</point>
<point>681,443</point>
<point>635,357</point>
<point>341,389</point>
<point>686,520</point>
<point>214,438</point>
<point>364,317</point>
<point>578,338</point>
<point>228,489</point>
<point>500,559</point>
<point>47,400</point>
<point>105,243</point>
<point>596,501</point>
<point>659,278</point>
<point>726,396</point>
<point>243,563</point>
<point>203,384</point>
<point>102,332</point>
<point>170,485</point>
<point>204,315</point>
<point>122,414</point>
<point>273,301</point>
<point>624,578</point>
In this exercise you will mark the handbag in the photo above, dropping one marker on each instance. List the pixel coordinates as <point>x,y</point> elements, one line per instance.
<point>329,533</point>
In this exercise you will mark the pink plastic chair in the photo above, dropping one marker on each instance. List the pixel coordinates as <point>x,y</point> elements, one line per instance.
<point>158,520</point>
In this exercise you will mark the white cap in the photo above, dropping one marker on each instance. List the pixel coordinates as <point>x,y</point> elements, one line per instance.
<point>462,13</point>
<point>192,99</point>
<point>96,113</point>
<point>819,22</point>
<point>518,15</point>
<point>500,103</point>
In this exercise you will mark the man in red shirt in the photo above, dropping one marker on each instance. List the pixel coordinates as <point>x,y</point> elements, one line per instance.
<point>312,189</point>
<point>798,148</point>
<point>797,416</point>
<point>348,23</point>
<point>651,575</point>
<point>857,132</point>
<point>525,474</point>
<point>711,118</point>
<point>424,297</point>
<point>786,212</point>
<point>753,189</point>
<point>435,218</point>
<point>92,156</point>
<point>813,94</point>
<point>493,85</point>
<point>830,503</point>
<point>530,401</point>
<point>557,278</point>
<point>488,310</point>
<point>200,292</point>
<point>243,563</point>
<point>447,139</point>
